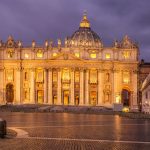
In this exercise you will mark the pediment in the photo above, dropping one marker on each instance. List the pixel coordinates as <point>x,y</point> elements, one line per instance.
<point>65,56</point>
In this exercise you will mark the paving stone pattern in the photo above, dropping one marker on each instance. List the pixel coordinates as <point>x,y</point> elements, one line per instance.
<point>69,131</point>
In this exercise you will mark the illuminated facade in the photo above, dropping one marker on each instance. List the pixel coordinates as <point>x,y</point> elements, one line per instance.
<point>146,95</point>
<point>79,72</point>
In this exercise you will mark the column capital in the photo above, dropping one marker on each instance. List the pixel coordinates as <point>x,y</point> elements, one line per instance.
<point>1,69</point>
<point>72,69</point>
<point>46,69</point>
<point>135,71</point>
<point>50,69</point>
<point>81,69</point>
<point>32,69</point>
<point>101,70</point>
<point>59,69</point>
<point>115,71</point>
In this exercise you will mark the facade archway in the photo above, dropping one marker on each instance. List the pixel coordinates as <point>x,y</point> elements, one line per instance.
<point>76,100</point>
<point>93,98</point>
<point>126,97</point>
<point>66,97</point>
<point>9,93</point>
<point>40,96</point>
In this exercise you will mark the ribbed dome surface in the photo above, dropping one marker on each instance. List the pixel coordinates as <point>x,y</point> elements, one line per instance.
<point>85,36</point>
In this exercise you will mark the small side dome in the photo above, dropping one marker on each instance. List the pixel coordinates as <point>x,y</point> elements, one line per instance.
<point>84,36</point>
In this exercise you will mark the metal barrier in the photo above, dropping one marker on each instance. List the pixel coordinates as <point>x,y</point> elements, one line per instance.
<point>2,128</point>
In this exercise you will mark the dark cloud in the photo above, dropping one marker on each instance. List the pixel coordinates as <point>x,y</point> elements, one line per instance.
<point>52,19</point>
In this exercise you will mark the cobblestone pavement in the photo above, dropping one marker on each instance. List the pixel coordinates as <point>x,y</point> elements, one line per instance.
<point>67,131</point>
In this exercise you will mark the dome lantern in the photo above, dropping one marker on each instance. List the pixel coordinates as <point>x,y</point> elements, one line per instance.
<point>85,22</point>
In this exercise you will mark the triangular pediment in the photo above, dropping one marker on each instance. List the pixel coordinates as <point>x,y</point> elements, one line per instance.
<point>65,56</point>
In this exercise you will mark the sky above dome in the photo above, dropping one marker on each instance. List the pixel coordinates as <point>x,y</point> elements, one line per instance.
<point>38,20</point>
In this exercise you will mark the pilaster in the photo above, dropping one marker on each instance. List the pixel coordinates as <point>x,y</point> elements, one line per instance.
<point>1,86</point>
<point>50,100</point>
<point>32,87</point>
<point>59,91</point>
<point>100,87</point>
<point>45,85</point>
<point>72,87</point>
<point>87,87</point>
<point>81,87</point>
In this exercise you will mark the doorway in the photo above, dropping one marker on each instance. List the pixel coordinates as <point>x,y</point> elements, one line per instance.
<point>126,94</point>
<point>40,96</point>
<point>66,97</point>
<point>9,93</point>
<point>93,98</point>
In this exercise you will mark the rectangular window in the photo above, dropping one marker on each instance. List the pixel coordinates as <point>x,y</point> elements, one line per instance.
<point>93,76</point>
<point>126,77</point>
<point>39,75</point>
<point>77,55</point>
<point>77,76</point>
<point>54,54</point>
<point>26,55</point>
<point>93,55</point>
<point>54,76</point>
<point>39,54</point>
<point>126,54</point>
<point>107,56</point>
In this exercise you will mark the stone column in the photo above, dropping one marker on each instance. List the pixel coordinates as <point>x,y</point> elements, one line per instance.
<point>2,86</point>
<point>72,87</point>
<point>81,87</point>
<point>100,87</point>
<point>50,99</point>
<point>59,100</point>
<point>115,85</point>
<point>134,83</point>
<point>87,87</point>
<point>32,87</point>
<point>18,85</point>
<point>45,86</point>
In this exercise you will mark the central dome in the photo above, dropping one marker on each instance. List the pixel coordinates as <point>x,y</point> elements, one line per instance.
<point>85,36</point>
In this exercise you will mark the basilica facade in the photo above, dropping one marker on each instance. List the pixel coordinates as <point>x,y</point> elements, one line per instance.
<point>80,71</point>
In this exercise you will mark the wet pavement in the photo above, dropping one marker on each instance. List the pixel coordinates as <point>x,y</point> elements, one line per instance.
<point>68,131</point>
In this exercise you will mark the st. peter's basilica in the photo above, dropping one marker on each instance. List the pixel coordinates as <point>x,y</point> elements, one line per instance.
<point>80,71</point>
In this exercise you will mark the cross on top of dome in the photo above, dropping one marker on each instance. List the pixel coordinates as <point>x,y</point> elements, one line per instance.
<point>85,22</point>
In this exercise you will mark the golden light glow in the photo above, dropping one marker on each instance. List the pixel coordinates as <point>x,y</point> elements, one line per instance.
<point>39,75</point>
<point>66,75</point>
<point>77,55</point>
<point>9,75</point>
<point>126,54</point>
<point>118,99</point>
<point>93,76</point>
<point>26,55</point>
<point>125,109</point>
<point>85,23</point>
<point>39,54</point>
<point>54,54</point>
<point>107,56</point>
<point>93,55</point>
<point>126,77</point>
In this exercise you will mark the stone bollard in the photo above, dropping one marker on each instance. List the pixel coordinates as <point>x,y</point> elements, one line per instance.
<point>2,128</point>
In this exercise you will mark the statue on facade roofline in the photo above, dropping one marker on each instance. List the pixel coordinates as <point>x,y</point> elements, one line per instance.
<point>19,44</point>
<point>1,43</point>
<point>59,42</point>
<point>33,44</point>
<point>51,43</point>
<point>116,44</point>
